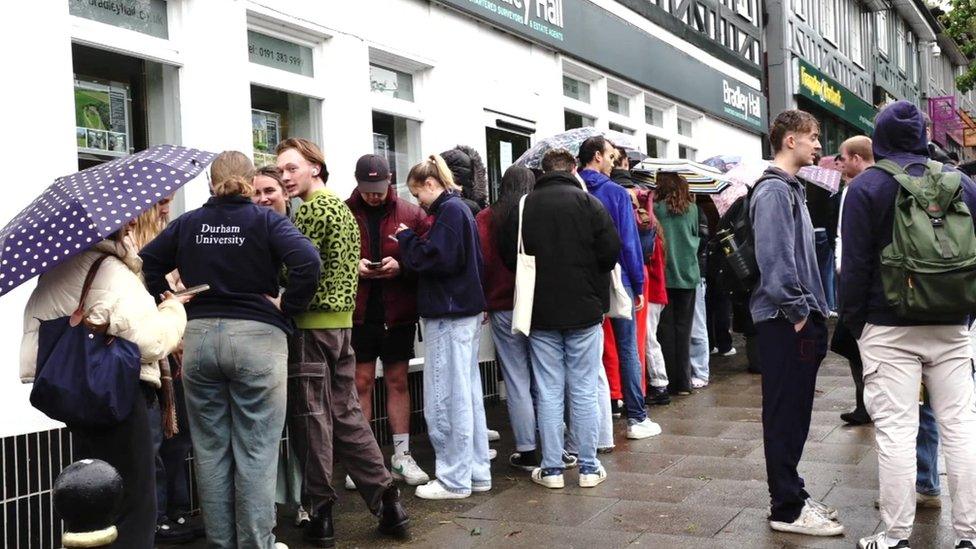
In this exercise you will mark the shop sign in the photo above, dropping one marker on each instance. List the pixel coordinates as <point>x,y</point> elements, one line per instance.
<point>145,16</point>
<point>829,94</point>
<point>587,32</point>
<point>279,54</point>
<point>102,117</point>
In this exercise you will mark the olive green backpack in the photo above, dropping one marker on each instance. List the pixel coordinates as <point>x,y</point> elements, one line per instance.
<point>929,269</point>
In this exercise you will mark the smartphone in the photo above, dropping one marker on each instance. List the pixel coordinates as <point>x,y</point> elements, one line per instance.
<point>193,290</point>
<point>375,264</point>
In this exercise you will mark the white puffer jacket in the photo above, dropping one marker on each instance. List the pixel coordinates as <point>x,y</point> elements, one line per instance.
<point>117,297</point>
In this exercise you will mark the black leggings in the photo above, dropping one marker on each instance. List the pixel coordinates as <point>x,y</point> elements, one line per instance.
<point>674,335</point>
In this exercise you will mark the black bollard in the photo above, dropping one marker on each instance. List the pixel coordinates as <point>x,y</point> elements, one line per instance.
<point>87,495</point>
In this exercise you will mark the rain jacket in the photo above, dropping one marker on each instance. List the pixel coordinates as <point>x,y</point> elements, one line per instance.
<point>117,297</point>
<point>617,201</point>
<point>869,213</point>
<point>499,279</point>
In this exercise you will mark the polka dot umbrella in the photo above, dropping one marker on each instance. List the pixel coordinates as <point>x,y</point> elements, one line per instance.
<point>79,210</point>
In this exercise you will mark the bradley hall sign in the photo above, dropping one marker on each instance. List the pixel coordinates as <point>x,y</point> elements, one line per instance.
<point>591,34</point>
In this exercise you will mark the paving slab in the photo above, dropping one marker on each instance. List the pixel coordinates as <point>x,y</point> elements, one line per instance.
<point>689,520</point>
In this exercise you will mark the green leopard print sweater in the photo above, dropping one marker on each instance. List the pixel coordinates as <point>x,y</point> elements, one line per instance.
<point>326,220</point>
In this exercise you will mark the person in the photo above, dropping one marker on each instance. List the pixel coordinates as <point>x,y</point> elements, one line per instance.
<point>596,156</point>
<point>790,312</point>
<point>698,354</point>
<point>900,352</point>
<point>234,353</point>
<point>324,417</point>
<point>677,212</point>
<point>385,319</point>
<point>575,245</point>
<point>657,300</point>
<point>269,190</point>
<point>118,299</point>
<point>450,301</point>
<point>469,172</point>
<point>854,157</point>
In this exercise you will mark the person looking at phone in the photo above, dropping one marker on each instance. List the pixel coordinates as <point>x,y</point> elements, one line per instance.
<point>385,319</point>
<point>235,350</point>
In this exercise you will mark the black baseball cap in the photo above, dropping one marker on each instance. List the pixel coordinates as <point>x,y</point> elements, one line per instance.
<point>372,173</point>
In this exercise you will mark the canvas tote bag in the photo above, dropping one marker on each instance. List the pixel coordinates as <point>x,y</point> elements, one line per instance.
<point>621,306</point>
<point>524,283</point>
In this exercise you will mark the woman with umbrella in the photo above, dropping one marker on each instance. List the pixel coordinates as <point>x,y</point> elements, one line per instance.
<point>118,299</point>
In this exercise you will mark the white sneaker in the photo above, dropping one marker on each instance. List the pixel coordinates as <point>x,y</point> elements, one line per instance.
<point>279,545</point>
<point>730,352</point>
<point>301,517</point>
<point>644,429</point>
<point>492,454</point>
<point>713,351</point>
<point>698,383</point>
<point>880,541</point>
<point>350,485</point>
<point>823,508</point>
<point>811,523</point>
<point>589,480</point>
<point>925,501</point>
<point>435,490</point>
<point>549,481</point>
<point>493,435</point>
<point>481,486</point>
<point>406,469</point>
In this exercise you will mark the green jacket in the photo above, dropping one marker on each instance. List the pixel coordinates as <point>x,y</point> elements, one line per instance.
<point>681,246</point>
<point>326,220</point>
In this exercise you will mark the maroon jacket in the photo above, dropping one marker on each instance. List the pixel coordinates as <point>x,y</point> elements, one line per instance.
<point>499,281</point>
<point>399,293</point>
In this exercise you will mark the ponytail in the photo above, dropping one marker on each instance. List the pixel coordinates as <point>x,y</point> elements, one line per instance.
<point>231,174</point>
<point>436,168</point>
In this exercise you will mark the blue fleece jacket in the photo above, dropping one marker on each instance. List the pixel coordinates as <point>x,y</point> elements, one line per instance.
<point>447,260</point>
<point>617,201</point>
<point>869,213</point>
<point>789,279</point>
<point>238,248</point>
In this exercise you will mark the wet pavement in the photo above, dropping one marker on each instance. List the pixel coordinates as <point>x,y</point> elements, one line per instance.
<point>700,483</point>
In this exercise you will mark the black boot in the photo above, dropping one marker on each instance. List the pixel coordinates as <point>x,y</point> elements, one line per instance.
<point>657,396</point>
<point>320,530</point>
<point>393,517</point>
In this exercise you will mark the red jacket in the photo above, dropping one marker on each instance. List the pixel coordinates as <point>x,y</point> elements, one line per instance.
<point>658,292</point>
<point>499,282</point>
<point>399,293</point>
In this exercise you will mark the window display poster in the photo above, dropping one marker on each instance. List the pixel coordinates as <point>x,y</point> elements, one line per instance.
<point>102,118</point>
<point>265,134</point>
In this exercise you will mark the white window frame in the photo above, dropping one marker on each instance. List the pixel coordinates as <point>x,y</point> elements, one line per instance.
<point>415,66</point>
<point>900,46</point>
<point>588,83</point>
<point>133,43</point>
<point>800,9</point>
<point>593,78</point>
<point>881,26</point>
<point>856,37</point>
<point>298,32</point>
<point>828,20</point>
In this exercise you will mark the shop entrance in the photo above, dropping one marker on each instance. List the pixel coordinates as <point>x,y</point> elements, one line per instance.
<point>504,148</point>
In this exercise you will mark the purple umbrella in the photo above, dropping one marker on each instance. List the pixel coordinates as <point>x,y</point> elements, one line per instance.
<point>79,210</point>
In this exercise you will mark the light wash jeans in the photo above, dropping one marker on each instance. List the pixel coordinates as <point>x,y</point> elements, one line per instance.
<point>927,452</point>
<point>657,374</point>
<point>699,351</point>
<point>513,353</point>
<point>454,403</point>
<point>631,381</point>
<point>234,378</point>
<point>567,361</point>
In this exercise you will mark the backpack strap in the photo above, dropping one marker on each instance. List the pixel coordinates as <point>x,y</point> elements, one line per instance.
<point>79,313</point>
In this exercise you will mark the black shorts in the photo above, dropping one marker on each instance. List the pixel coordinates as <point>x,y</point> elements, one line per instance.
<point>391,344</point>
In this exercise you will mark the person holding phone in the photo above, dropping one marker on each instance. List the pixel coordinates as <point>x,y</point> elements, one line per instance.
<point>385,319</point>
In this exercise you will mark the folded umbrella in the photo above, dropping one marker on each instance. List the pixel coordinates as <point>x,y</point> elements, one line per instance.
<point>701,178</point>
<point>79,210</point>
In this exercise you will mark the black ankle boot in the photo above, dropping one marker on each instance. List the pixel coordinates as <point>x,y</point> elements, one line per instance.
<point>393,517</point>
<point>320,529</point>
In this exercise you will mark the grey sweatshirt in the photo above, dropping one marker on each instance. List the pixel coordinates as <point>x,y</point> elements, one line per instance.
<point>789,279</point>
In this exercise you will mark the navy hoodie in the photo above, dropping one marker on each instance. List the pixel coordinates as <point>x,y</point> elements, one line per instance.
<point>899,135</point>
<point>447,260</point>
<point>238,248</point>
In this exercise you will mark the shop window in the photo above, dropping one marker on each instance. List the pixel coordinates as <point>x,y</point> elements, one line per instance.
<point>881,24</point>
<point>576,89</point>
<point>654,116</point>
<point>278,115</point>
<point>828,26</point>
<point>279,54</point>
<point>618,103</point>
<point>686,152</point>
<point>656,147</point>
<point>900,45</point>
<point>685,127</point>
<point>398,139</point>
<point>622,129</point>
<point>856,55</point>
<point>391,82</point>
<point>503,148</point>
<point>575,120</point>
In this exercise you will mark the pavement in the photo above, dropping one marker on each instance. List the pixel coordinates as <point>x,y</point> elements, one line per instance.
<point>700,483</point>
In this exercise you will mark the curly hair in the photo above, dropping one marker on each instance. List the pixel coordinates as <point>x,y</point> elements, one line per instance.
<point>672,189</point>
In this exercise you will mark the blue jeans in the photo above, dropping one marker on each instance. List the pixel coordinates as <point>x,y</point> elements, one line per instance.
<point>631,378</point>
<point>927,453</point>
<point>454,404</point>
<point>567,362</point>
<point>826,263</point>
<point>513,353</point>
<point>234,376</point>
<point>699,351</point>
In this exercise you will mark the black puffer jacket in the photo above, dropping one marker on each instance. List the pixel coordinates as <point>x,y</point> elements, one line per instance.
<point>575,245</point>
<point>470,173</point>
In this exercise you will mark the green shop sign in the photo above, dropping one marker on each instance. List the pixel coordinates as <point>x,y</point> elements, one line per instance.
<point>592,34</point>
<point>829,94</point>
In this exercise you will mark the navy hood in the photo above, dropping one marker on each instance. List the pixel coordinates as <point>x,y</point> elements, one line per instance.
<point>899,129</point>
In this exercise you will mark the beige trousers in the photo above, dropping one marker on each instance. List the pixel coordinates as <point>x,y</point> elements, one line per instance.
<point>897,359</point>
